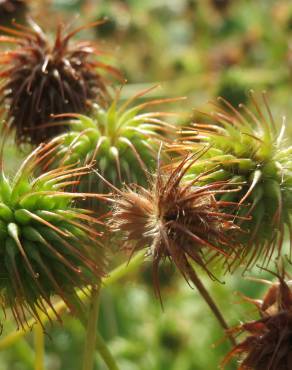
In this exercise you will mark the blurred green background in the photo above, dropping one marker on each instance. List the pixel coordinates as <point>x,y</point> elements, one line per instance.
<point>194,48</point>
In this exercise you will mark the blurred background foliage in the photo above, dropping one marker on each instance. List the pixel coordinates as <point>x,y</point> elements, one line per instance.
<point>194,48</point>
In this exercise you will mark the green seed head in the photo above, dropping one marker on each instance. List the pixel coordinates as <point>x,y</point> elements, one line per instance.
<point>47,246</point>
<point>121,142</point>
<point>246,146</point>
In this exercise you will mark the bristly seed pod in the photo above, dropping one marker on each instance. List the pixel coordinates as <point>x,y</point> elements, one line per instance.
<point>48,247</point>
<point>176,219</point>
<point>268,342</point>
<point>121,142</point>
<point>248,147</point>
<point>41,78</point>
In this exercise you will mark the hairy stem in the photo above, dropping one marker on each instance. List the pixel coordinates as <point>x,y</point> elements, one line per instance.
<point>39,345</point>
<point>209,300</point>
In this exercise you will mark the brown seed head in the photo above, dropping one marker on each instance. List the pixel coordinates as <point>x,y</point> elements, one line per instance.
<point>41,79</point>
<point>268,345</point>
<point>175,219</point>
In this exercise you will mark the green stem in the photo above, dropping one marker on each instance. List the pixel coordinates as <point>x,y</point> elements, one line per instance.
<point>90,342</point>
<point>39,345</point>
<point>105,353</point>
<point>93,339</point>
<point>60,307</point>
<point>209,300</point>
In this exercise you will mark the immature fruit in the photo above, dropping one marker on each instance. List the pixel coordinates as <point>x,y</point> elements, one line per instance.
<point>41,78</point>
<point>247,147</point>
<point>48,247</point>
<point>121,142</point>
<point>267,345</point>
<point>176,219</point>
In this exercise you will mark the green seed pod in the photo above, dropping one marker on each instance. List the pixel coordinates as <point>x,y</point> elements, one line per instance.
<point>48,247</point>
<point>120,142</point>
<point>247,147</point>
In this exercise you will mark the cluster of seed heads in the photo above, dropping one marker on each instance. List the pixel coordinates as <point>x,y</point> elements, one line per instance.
<point>219,195</point>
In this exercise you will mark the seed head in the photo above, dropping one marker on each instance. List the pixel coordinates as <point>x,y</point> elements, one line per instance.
<point>246,146</point>
<point>121,141</point>
<point>175,219</point>
<point>48,247</point>
<point>41,78</point>
<point>267,345</point>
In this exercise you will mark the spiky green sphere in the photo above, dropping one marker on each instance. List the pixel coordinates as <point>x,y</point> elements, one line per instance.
<point>121,142</point>
<point>48,247</point>
<point>246,146</point>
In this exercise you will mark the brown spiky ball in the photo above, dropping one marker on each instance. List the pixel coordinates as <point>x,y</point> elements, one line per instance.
<point>268,344</point>
<point>175,219</point>
<point>42,78</point>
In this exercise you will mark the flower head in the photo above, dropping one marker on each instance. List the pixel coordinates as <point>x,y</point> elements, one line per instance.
<point>48,247</point>
<point>175,219</point>
<point>267,345</point>
<point>41,78</point>
<point>121,142</point>
<point>246,146</point>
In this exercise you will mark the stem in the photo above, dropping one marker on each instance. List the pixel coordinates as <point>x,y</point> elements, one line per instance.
<point>90,342</point>
<point>105,353</point>
<point>117,274</point>
<point>209,300</point>
<point>39,345</point>
<point>94,340</point>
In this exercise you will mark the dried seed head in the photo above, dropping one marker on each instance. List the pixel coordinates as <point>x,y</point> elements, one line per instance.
<point>41,78</point>
<point>12,10</point>
<point>121,142</point>
<point>175,219</point>
<point>48,247</point>
<point>246,146</point>
<point>267,345</point>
